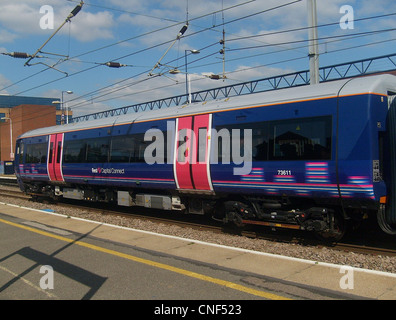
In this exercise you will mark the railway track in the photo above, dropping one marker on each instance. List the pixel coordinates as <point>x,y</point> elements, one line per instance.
<point>204,224</point>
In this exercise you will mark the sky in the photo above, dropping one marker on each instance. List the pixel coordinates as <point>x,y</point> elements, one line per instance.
<point>262,38</point>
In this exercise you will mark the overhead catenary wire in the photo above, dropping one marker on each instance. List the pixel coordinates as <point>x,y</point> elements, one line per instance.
<point>139,51</point>
<point>238,71</point>
<point>120,42</point>
<point>79,72</point>
<point>238,19</point>
<point>351,35</point>
<point>308,27</point>
<point>72,14</point>
<point>82,104</point>
<point>297,41</point>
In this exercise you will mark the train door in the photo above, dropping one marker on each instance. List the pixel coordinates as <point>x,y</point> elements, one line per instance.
<point>192,154</point>
<point>55,151</point>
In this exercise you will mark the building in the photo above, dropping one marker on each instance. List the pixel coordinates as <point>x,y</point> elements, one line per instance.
<point>8,102</point>
<point>19,114</point>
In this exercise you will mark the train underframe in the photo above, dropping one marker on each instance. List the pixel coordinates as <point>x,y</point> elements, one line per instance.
<point>324,217</point>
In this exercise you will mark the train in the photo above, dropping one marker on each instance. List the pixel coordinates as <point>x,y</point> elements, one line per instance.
<point>319,158</point>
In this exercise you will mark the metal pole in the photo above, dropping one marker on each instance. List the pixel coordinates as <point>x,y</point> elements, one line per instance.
<point>62,116</point>
<point>188,79</point>
<point>189,88</point>
<point>12,148</point>
<point>313,42</point>
<point>185,61</point>
<point>11,145</point>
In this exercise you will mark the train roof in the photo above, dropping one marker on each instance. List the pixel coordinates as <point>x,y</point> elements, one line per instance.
<point>378,84</point>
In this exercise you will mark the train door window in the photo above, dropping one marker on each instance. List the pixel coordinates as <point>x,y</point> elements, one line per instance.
<point>59,152</point>
<point>51,150</point>
<point>182,146</point>
<point>301,139</point>
<point>201,150</point>
<point>165,147</point>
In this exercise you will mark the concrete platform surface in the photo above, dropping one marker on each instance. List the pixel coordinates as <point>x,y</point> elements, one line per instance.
<point>344,279</point>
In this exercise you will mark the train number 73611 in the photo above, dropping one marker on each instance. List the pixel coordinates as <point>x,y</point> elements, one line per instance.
<point>284,173</point>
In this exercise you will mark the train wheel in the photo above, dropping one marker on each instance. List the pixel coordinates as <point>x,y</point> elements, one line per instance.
<point>337,232</point>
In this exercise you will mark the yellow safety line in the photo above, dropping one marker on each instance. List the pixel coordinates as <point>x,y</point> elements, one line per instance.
<point>191,274</point>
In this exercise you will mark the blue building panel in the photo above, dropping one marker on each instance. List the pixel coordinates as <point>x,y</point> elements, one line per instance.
<point>7,101</point>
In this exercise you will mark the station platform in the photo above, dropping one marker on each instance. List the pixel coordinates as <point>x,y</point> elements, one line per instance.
<point>8,176</point>
<point>361,283</point>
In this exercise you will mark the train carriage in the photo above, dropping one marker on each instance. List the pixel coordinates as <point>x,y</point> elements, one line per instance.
<point>310,157</point>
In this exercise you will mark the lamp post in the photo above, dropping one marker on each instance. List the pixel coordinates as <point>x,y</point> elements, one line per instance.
<point>11,147</point>
<point>193,51</point>
<point>67,110</point>
<point>61,107</point>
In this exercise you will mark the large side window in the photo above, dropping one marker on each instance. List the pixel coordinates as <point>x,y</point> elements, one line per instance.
<point>97,150</point>
<point>122,149</point>
<point>291,139</point>
<point>140,147</point>
<point>300,139</point>
<point>36,153</point>
<point>259,144</point>
<point>74,151</point>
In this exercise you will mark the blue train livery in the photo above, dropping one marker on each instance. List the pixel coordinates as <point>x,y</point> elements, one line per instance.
<point>315,158</point>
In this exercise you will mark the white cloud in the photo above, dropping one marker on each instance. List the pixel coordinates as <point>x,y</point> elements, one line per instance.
<point>91,26</point>
<point>4,82</point>
<point>20,19</point>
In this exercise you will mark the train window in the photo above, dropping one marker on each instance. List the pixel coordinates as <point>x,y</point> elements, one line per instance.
<point>292,139</point>
<point>74,151</point>
<point>36,153</point>
<point>131,148</point>
<point>201,149</point>
<point>182,146</point>
<point>122,149</point>
<point>50,152</point>
<point>259,144</point>
<point>300,139</point>
<point>59,152</point>
<point>97,150</point>
<point>20,150</point>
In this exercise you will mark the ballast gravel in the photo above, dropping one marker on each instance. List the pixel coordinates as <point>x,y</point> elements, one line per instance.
<point>323,254</point>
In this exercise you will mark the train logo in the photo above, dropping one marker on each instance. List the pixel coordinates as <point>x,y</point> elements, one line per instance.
<point>108,171</point>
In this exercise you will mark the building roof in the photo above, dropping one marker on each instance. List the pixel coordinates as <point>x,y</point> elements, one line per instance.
<point>8,101</point>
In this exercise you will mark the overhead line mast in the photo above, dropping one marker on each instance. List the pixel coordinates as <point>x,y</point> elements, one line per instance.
<point>313,42</point>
